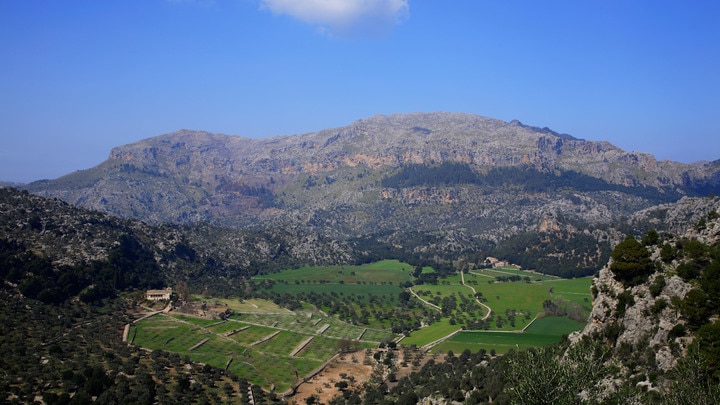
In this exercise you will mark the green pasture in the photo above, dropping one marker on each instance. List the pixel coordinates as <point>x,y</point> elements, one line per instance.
<point>473,279</point>
<point>222,328</point>
<point>311,325</point>
<point>576,289</point>
<point>248,305</point>
<point>543,331</point>
<point>572,285</point>
<point>522,297</point>
<point>261,345</point>
<point>267,364</point>
<point>368,287</point>
<point>554,325</point>
<point>440,290</point>
<point>525,299</point>
<point>269,370</point>
<point>250,335</point>
<point>384,271</point>
<point>501,342</point>
<point>435,293</point>
<point>282,344</point>
<point>513,271</point>
<point>323,348</point>
<point>430,333</point>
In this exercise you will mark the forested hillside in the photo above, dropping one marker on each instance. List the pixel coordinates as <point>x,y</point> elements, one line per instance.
<point>53,251</point>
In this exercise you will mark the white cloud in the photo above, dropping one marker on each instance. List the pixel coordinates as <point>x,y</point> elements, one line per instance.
<point>344,17</point>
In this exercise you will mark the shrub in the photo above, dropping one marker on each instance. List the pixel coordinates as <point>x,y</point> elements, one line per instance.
<point>625,299</point>
<point>651,238</point>
<point>695,308</point>
<point>657,286</point>
<point>658,306</point>
<point>689,271</point>
<point>667,253</point>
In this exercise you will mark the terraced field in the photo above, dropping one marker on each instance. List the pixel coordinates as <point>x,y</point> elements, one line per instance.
<point>270,349</point>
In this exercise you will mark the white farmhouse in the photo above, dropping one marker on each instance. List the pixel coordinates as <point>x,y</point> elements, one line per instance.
<point>159,295</point>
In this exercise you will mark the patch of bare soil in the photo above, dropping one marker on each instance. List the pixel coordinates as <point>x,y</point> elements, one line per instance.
<point>356,369</point>
<point>353,368</point>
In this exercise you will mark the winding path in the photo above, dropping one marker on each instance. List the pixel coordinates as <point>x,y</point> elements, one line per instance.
<point>448,336</point>
<point>431,305</point>
<point>489,310</point>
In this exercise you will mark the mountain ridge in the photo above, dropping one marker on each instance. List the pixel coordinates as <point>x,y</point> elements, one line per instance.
<point>332,182</point>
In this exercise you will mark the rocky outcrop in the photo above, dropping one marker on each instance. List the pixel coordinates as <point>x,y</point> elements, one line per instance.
<point>70,236</point>
<point>678,218</point>
<point>645,324</point>
<point>642,318</point>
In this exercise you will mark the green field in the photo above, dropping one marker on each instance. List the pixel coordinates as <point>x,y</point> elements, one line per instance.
<point>258,346</point>
<point>522,297</point>
<point>576,289</point>
<point>430,334</point>
<point>543,331</point>
<point>382,272</point>
<point>248,305</point>
<point>512,270</point>
<point>361,291</point>
<point>312,323</point>
<point>522,300</point>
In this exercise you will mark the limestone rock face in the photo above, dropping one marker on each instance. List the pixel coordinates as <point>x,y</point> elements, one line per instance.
<point>640,318</point>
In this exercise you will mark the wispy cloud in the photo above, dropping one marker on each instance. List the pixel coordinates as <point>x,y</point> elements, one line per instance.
<point>344,17</point>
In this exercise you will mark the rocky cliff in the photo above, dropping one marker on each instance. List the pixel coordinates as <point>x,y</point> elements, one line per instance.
<point>650,323</point>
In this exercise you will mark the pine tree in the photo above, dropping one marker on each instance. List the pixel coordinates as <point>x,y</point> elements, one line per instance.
<point>631,262</point>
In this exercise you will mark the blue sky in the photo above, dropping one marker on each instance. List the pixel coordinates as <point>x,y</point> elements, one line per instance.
<point>79,77</point>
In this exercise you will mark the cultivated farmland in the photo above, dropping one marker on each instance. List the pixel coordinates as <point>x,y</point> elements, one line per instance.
<point>302,317</point>
<point>271,349</point>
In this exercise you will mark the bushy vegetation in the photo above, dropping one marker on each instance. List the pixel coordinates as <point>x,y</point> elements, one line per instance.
<point>128,266</point>
<point>631,262</point>
<point>72,352</point>
<point>548,253</point>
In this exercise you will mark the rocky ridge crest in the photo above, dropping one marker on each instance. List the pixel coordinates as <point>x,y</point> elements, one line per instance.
<point>188,176</point>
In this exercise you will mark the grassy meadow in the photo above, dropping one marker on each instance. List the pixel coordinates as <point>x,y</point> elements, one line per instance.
<point>543,331</point>
<point>382,272</point>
